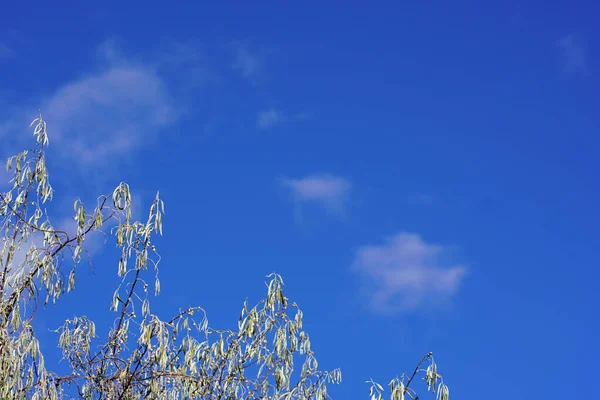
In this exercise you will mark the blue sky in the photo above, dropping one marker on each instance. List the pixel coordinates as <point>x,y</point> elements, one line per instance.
<point>424,176</point>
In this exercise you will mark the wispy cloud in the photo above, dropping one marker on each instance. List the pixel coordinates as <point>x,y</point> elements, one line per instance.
<point>250,62</point>
<point>272,117</point>
<point>106,115</point>
<point>328,191</point>
<point>22,257</point>
<point>6,53</point>
<point>247,63</point>
<point>269,118</point>
<point>421,199</point>
<point>102,116</point>
<point>405,273</point>
<point>189,63</point>
<point>19,263</point>
<point>573,54</point>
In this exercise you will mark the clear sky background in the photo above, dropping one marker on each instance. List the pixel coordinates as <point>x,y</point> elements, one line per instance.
<point>422,174</point>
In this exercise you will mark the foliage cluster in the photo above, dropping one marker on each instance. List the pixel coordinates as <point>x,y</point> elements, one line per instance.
<point>269,356</point>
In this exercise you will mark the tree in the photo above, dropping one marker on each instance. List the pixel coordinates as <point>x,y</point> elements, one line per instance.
<point>143,356</point>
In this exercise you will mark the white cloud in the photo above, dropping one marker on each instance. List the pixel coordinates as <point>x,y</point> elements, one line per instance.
<point>6,52</point>
<point>189,64</point>
<point>247,63</point>
<point>573,54</point>
<point>101,117</point>
<point>421,199</point>
<point>405,273</point>
<point>19,266</point>
<point>269,118</point>
<point>328,191</point>
<point>108,114</point>
<point>272,117</point>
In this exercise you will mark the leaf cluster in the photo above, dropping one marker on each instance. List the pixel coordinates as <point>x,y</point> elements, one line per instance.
<point>269,356</point>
